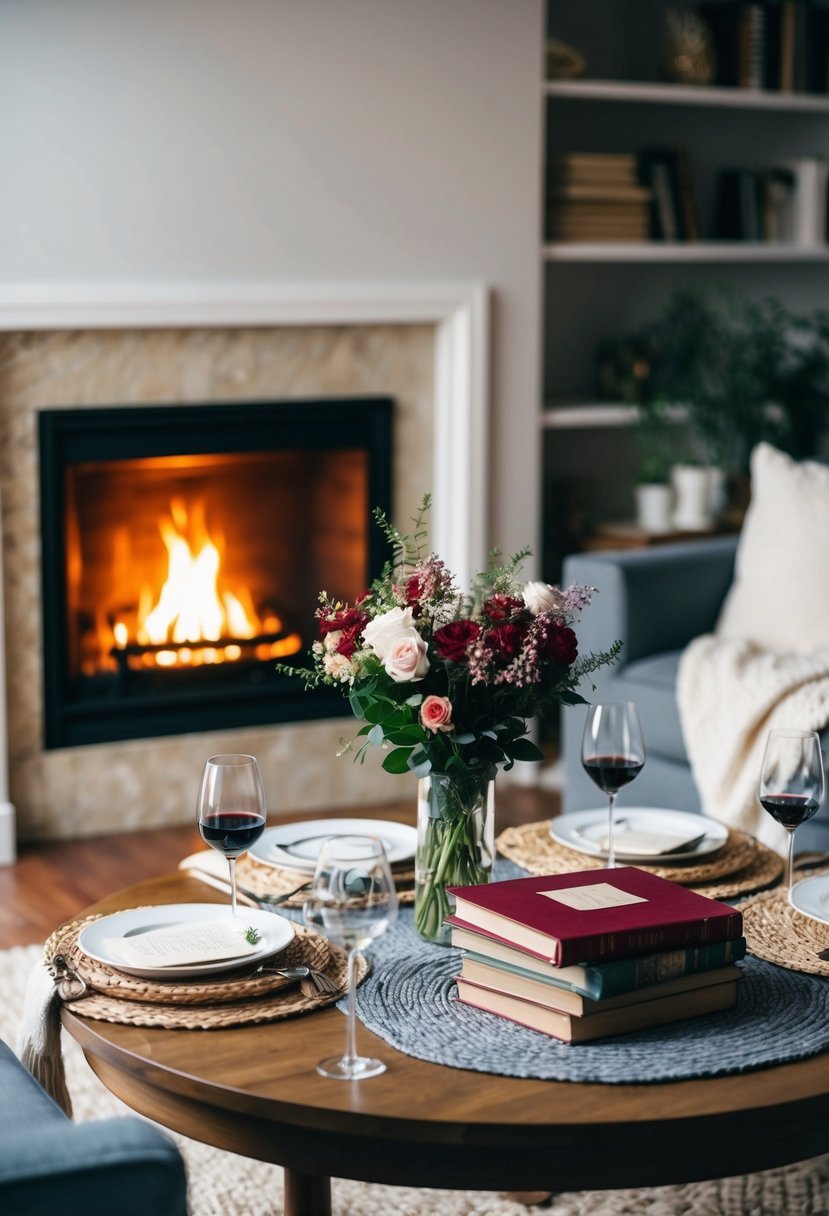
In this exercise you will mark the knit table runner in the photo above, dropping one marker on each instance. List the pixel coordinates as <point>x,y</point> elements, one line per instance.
<point>410,1001</point>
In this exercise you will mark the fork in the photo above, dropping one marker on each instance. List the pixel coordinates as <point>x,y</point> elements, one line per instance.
<point>272,901</point>
<point>319,979</point>
<point>263,901</point>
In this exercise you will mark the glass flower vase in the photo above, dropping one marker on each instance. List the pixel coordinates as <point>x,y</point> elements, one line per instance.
<point>455,843</point>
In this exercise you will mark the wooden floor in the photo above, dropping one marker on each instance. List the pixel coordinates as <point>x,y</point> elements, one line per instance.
<point>53,881</point>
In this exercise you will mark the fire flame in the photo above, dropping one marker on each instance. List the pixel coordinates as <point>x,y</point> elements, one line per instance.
<point>192,610</point>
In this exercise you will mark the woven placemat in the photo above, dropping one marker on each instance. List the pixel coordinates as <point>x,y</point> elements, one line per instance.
<point>235,1001</point>
<point>306,949</point>
<point>410,1001</point>
<point>778,933</point>
<point>740,859</point>
<point>263,879</point>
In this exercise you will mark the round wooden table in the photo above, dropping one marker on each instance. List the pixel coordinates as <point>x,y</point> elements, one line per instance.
<point>254,1090</point>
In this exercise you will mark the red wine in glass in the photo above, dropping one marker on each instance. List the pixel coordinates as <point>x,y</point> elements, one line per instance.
<point>792,782</point>
<point>612,753</point>
<point>790,809</point>
<point>610,773</point>
<point>232,832</point>
<point>231,809</point>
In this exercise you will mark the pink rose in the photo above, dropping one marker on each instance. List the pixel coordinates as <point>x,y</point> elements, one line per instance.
<point>406,659</point>
<point>436,714</point>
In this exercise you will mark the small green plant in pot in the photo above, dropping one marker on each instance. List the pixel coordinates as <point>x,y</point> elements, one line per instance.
<point>656,443</point>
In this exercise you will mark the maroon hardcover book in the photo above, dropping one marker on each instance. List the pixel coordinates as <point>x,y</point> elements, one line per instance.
<point>594,915</point>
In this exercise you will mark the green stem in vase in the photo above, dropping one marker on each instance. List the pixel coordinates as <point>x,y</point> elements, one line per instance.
<point>450,850</point>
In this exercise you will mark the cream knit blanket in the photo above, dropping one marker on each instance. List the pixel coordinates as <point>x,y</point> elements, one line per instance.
<point>731,693</point>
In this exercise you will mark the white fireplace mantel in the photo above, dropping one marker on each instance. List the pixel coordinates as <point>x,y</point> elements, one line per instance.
<point>458,310</point>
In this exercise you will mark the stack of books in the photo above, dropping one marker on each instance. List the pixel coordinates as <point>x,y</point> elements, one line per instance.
<point>597,196</point>
<point>597,953</point>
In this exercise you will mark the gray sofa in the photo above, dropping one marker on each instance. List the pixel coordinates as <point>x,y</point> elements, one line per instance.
<point>656,601</point>
<point>50,1166</point>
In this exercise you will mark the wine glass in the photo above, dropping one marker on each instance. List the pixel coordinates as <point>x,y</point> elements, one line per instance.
<point>792,783</point>
<point>612,753</point>
<point>353,899</point>
<point>231,809</point>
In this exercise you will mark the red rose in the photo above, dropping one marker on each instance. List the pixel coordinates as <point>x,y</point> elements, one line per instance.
<point>501,607</point>
<point>505,641</point>
<point>349,620</point>
<point>559,644</point>
<point>349,640</point>
<point>453,640</point>
<point>414,591</point>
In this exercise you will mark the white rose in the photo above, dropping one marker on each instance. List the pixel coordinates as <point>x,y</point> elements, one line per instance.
<point>332,640</point>
<point>541,597</point>
<point>381,633</point>
<point>406,659</point>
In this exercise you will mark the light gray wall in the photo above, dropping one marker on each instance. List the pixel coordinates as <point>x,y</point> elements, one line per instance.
<point>288,140</point>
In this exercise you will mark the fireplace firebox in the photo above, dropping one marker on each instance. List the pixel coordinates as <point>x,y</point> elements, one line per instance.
<point>183,549</point>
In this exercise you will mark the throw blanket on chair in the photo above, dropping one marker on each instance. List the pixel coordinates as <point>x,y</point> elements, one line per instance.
<point>731,693</point>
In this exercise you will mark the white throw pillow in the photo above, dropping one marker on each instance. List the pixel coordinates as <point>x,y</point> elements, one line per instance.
<point>780,595</point>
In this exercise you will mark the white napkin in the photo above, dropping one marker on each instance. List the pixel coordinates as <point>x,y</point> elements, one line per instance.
<point>211,869</point>
<point>39,1037</point>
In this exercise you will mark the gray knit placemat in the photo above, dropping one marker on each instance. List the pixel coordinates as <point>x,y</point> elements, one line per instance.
<point>410,1001</point>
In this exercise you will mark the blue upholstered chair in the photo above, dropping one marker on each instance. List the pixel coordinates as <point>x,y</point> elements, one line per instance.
<point>656,601</point>
<point>50,1165</point>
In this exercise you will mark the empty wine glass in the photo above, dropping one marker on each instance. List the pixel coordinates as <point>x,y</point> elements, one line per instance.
<point>231,809</point>
<point>353,900</point>
<point>612,753</point>
<point>792,782</point>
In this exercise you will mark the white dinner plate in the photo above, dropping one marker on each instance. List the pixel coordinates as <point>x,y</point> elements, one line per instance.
<point>276,932</point>
<point>811,897</point>
<point>296,846</point>
<point>586,831</point>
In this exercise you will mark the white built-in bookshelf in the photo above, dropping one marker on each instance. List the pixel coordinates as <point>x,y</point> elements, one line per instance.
<point>600,290</point>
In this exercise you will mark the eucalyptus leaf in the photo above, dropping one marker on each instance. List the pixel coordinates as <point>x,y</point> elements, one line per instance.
<point>525,749</point>
<point>398,760</point>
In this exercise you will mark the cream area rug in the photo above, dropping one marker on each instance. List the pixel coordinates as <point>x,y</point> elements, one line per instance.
<point>222,1184</point>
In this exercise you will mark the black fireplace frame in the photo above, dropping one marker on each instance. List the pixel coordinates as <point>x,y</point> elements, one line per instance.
<point>110,433</point>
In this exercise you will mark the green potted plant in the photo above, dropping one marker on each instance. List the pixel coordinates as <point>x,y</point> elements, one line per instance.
<point>743,371</point>
<point>656,439</point>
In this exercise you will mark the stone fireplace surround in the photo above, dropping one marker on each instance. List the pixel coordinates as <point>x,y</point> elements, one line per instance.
<point>424,344</point>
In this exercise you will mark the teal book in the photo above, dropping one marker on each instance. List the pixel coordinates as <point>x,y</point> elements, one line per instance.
<point>600,980</point>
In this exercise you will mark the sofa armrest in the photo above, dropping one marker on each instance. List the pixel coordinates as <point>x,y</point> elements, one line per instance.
<point>652,600</point>
<point>122,1166</point>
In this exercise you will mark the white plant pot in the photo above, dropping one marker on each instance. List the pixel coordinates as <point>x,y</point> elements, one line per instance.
<point>653,507</point>
<point>692,490</point>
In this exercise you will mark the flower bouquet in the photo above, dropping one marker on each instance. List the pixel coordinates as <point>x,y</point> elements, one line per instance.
<point>445,683</point>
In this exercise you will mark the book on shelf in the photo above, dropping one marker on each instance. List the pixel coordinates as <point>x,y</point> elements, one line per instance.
<point>599,980</point>
<point>609,168</point>
<point>667,173</point>
<point>808,201</point>
<point>751,45</point>
<point>779,45</point>
<point>566,1000</point>
<point>582,1029</point>
<point>595,915</point>
<point>784,204</point>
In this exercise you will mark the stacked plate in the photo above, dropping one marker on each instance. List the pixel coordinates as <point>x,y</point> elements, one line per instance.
<point>811,897</point>
<point>296,846</point>
<point>100,939</point>
<point>652,835</point>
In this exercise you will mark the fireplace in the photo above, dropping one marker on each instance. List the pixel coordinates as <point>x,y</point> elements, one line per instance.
<point>183,548</point>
